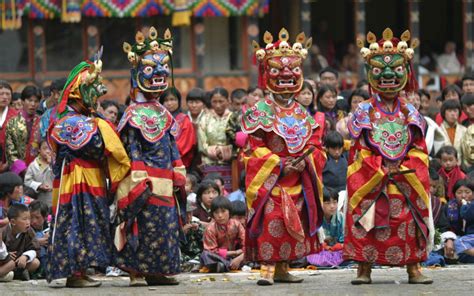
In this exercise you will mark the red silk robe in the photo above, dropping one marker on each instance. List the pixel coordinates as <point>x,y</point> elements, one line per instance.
<point>387,219</point>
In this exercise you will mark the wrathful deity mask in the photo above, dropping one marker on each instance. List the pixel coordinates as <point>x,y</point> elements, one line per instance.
<point>151,60</point>
<point>388,62</point>
<point>280,64</point>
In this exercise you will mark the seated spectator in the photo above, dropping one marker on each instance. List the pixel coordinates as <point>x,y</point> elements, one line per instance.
<point>39,212</point>
<point>191,247</point>
<point>450,170</point>
<point>440,221</point>
<point>10,189</point>
<point>239,212</point>
<point>333,229</point>
<point>219,180</point>
<point>463,189</point>
<point>21,244</point>
<point>239,194</point>
<point>467,102</point>
<point>451,92</point>
<point>452,130</point>
<point>467,150</point>
<point>335,170</point>
<point>39,175</point>
<point>468,83</point>
<point>206,193</point>
<point>464,245</point>
<point>448,62</point>
<point>224,239</point>
<point>191,187</point>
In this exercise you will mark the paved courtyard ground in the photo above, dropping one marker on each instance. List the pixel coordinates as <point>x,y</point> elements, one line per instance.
<point>454,281</point>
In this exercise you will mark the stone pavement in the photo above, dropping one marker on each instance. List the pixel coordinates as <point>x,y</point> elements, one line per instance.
<point>454,281</point>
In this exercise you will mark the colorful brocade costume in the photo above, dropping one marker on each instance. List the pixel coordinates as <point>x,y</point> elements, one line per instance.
<point>387,220</point>
<point>284,211</point>
<point>88,154</point>
<point>149,198</point>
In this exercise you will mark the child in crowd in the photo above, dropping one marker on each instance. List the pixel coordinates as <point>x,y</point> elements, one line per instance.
<point>239,212</point>
<point>10,189</point>
<point>440,221</point>
<point>20,241</point>
<point>239,194</point>
<point>462,190</point>
<point>191,247</point>
<point>224,239</point>
<point>39,175</point>
<point>190,187</point>
<point>206,193</point>
<point>219,180</point>
<point>464,245</point>
<point>333,229</point>
<point>450,170</point>
<point>335,170</point>
<point>39,222</point>
<point>450,112</point>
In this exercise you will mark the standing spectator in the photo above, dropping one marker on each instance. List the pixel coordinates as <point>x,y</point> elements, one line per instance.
<point>254,94</point>
<point>224,239</point>
<point>238,99</point>
<point>213,141</point>
<point>450,170</point>
<point>448,62</point>
<point>467,149</point>
<point>435,138</point>
<point>357,96</point>
<point>31,97</point>
<point>39,175</point>
<point>326,100</point>
<point>185,134</point>
<point>329,76</point>
<point>306,97</point>
<point>335,170</point>
<point>196,101</point>
<point>110,110</point>
<point>350,61</point>
<point>17,102</point>
<point>453,131</point>
<point>11,147</point>
<point>50,104</point>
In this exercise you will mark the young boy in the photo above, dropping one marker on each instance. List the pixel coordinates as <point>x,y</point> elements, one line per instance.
<point>10,189</point>
<point>224,239</point>
<point>191,247</point>
<point>39,222</point>
<point>333,227</point>
<point>21,243</point>
<point>39,175</point>
<point>450,112</point>
<point>239,212</point>
<point>335,171</point>
<point>450,170</point>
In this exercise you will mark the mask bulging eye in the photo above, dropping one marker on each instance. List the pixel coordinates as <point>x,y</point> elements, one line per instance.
<point>274,71</point>
<point>148,70</point>
<point>400,70</point>
<point>376,71</point>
